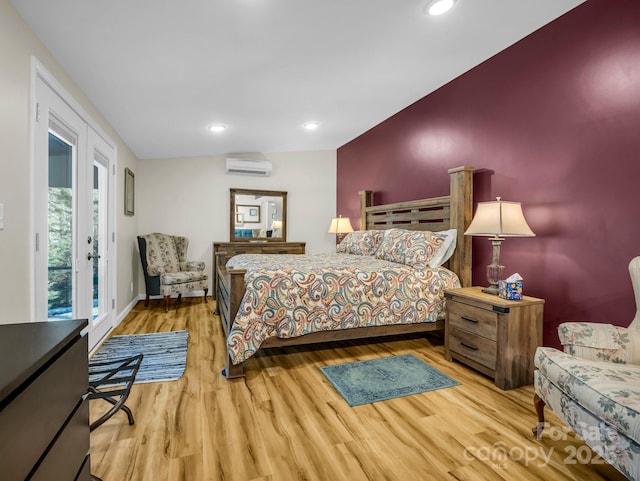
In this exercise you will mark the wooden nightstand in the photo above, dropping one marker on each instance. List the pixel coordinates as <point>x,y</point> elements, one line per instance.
<point>492,335</point>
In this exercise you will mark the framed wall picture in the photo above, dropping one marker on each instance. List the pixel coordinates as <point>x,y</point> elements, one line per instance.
<point>129,191</point>
<point>250,213</point>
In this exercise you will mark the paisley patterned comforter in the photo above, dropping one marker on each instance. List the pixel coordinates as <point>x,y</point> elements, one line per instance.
<point>291,295</point>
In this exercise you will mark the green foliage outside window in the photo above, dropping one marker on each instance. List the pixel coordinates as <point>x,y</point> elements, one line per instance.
<point>60,247</point>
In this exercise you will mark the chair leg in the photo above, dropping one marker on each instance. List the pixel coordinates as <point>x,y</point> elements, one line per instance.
<point>166,303</point>
<point>206,290</point>
<point>539,404</point>
<point>106,416</point>
<point>146,301</point>
<point>124,407</point>
<point>117,383</point>
<point>179,298</point>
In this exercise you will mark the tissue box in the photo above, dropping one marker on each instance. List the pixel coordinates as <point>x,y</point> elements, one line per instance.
<point>511,291</point>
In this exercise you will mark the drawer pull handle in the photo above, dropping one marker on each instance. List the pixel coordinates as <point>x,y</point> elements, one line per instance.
<point>469,346</point>
<point>468,319</point>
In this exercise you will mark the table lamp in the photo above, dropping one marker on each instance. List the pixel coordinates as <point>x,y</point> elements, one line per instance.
<point>340,226</point>
<point>276,224</point>
<point>498,219</point>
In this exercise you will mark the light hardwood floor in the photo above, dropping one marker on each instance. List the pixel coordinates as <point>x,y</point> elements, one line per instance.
<point>285,421</point>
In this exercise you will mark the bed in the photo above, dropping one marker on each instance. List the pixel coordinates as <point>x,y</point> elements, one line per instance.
<point>244,307</point>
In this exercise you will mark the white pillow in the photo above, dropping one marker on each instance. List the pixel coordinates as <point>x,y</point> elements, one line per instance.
<point>445,251</point>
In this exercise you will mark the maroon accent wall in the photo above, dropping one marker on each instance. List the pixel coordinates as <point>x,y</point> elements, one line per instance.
<point>552,122</point>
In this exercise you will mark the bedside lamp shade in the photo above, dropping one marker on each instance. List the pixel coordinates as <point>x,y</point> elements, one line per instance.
<point>341,226</point>
<point>498,219</point>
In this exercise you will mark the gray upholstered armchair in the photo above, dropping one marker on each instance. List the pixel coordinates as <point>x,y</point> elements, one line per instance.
<point>166,268</point>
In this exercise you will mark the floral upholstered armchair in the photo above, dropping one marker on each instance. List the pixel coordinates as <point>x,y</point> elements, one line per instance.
<point>605,342</point>
<point>594,385</point>
<point>166,268</point>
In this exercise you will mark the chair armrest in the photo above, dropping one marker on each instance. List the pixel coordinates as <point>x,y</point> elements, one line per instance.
<point>192,266</point>
<point>600,342</point>
<point>155,270</point>
<point>588,334</point>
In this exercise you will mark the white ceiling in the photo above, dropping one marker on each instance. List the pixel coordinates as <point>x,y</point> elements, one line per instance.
<point>161,71</point>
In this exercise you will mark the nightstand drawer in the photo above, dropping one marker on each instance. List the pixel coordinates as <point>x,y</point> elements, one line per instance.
<point>478,321</point>
<point>476,348</point>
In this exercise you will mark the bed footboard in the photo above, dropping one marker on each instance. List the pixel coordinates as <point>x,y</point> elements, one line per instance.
<point>230,291</point>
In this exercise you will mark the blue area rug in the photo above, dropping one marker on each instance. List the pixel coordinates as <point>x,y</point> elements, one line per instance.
<point>365,382</point>
<point>165,354</point>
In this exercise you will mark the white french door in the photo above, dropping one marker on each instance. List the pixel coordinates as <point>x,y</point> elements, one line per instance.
<point>100,162</point>
<point>73,217</point>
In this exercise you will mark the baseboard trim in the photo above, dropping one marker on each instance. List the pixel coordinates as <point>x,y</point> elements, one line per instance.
<point>119,319</point>
<point>129,307</point>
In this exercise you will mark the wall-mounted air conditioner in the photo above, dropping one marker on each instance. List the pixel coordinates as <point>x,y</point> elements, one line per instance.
<point>238,166</point>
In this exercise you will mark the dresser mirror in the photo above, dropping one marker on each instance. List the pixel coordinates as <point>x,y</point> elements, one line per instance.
<point>258,216</point>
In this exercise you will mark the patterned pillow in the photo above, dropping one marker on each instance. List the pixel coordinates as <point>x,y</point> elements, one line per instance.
<point>414,248</point>
<point>361,243</point>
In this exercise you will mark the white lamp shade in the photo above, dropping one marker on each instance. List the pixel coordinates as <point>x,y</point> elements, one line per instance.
<point>340,225</point>
<point>277,224</point>
<point>499,218</point>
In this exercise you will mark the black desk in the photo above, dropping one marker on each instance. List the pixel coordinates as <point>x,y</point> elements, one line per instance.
<point>44,418</point>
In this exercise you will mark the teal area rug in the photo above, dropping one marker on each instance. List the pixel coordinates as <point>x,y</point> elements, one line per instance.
<point>165,354</point>
<point>365,382</point>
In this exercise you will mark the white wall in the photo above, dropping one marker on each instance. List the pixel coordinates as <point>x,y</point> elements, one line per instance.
<point>17,44</point>
<point>186,196</point>
<point>190,197</point>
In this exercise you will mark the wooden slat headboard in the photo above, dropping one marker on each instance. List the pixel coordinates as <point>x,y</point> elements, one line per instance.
<point>453,211</point>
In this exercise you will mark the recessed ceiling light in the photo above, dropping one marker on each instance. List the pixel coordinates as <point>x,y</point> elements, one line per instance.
<point>312,125</point>
<point>438,7</point>
<point>217,128</point>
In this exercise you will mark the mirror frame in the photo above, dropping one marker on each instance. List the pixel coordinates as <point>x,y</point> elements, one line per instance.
<point>232,214</point>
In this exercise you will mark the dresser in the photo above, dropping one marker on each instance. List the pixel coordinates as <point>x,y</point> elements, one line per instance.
<point>492,335</point>
<point>230,249</point>
<point>44,418</point>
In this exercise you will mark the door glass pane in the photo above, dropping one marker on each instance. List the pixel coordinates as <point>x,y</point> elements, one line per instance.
<point>60,220</point>
<point>99,239</point>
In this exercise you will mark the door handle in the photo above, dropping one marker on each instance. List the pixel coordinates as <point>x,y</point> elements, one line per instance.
<point>91,256</point>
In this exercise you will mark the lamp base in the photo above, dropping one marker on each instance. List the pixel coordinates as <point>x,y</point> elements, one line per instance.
<point>492,289</point>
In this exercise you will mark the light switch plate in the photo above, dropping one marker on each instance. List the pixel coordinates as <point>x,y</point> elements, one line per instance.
<point>1,216</point>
